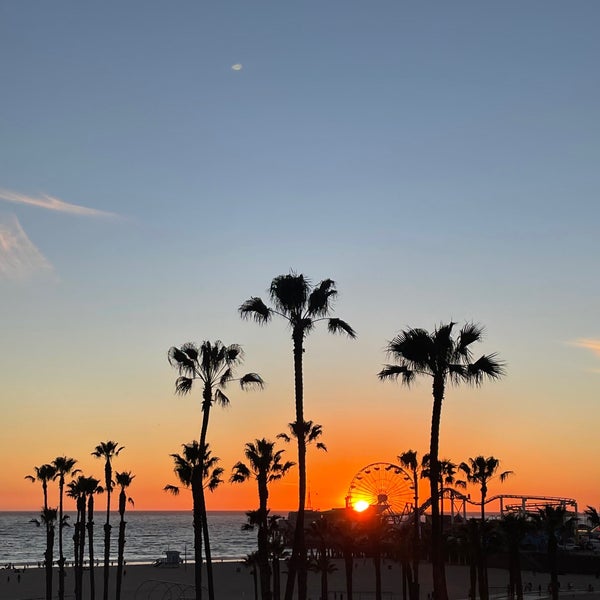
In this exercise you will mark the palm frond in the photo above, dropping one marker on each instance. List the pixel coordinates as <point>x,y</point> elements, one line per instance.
<point>469,334</point>
<point>220,398</point>
<point>284,436</point>
<point>505,475</point>
<point>321,446</point>
<point>181,360</point>
<point>172,489</point>
<point>486,366</point>
<point>183,385</point>
<point>256,309</point>
<point>252,380</point>
<point>226,377</point>
<point>319,300</point>
<point>395,371</point>
<point>335,325</point>
<point>289,293</point>
<point>240,473</point>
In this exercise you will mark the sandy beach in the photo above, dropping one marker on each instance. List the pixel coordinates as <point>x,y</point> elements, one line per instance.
<point>234,582</point>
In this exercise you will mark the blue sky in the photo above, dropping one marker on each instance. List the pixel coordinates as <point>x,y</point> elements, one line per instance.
<point>439,161</point>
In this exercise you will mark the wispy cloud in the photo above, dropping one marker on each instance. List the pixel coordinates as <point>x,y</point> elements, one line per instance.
<point>51,203</point>
<point>19,258</point>
<point>588,344</point>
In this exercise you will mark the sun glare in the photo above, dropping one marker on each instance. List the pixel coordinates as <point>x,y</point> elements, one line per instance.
<point>361,505</point>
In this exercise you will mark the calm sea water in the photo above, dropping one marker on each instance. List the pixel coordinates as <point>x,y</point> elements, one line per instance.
<point>148,535</point>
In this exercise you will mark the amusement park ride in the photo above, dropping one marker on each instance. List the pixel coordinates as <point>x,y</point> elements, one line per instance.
<point>384,486</point>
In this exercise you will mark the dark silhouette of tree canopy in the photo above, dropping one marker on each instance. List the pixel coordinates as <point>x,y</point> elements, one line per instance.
<point>446,360</point>
<point>123,480</point>
<point>213,365</point>
<point>64,466</point>
<point>265,466</point>
<point>107,451</point>
<point>301,305</point>
<point>196,469</point>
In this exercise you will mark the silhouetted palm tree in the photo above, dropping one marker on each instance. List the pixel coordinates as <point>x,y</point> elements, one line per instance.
<point>213,365</point>
<point>77,489</point>
<point>302,306</point>
<point>196,470</point>
<point>553,520</point>
<point>446,360</point>
<point>345,537</point>
<point>323,532</point>
<point>107,451</point>
<point>91,487</point>
<point>479,471</point>
<point>44,474</point>
<point>48,519</point>
<point>265,466</point>
<point>64,466</point>
<point>251,562</point>
<point>123,480</point>
<point>412,471</point>
<point>514,528</point>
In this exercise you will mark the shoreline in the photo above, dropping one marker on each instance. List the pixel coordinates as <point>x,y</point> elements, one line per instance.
<point>234,581</point>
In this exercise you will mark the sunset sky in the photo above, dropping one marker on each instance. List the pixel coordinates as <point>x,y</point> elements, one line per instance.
<point>161,162</point>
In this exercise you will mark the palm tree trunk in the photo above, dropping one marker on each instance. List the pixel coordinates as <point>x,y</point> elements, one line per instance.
<point>349,566</point>
<point>206,404</point>
<point>90,528</point>
<point>414,579</point>
<point>377,563</point>
<point>107,528</point>
<point>197,512</point>
<point>61,557</point>
<point>49,557</point>
<point>121,545</point>
<point>297,564</point>
<point>440,591</point>
<point>81,548</point>
<point>263,540</point>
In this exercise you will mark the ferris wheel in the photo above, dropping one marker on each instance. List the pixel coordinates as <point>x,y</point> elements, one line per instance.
<point>382,485</point>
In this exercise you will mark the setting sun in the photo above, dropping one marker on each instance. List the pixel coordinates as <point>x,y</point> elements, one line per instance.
<point>361,505</point>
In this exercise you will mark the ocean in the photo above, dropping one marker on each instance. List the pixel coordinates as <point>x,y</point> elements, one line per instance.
<point>149,535</point>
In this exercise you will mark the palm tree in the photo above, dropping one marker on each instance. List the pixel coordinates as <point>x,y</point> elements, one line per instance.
<point>412,472</point>
<point>77,489</point>
<point>48,519</point>
<point>514,527</point>
<point>44,474</point>
<point>480,471</point>
<point>63,466</point>
<point>213,364</point>
<point>107,451</point>
<point>553,520</point>
<point>91,487</point>
<point>302,306</point>
<point>250,562</point>
<point>123,480</point>
<point>322,530</point>
<point>446,360</point>
<point>193,468</point>
<point>345,540</point>
<point>265,466</point>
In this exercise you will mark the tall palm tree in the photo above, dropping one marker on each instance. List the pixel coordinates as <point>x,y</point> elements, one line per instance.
<point>412,470</point>
<point>107,451</point>
<point>123,480</point>
<point>91,486</point>
<point>446,360</point>
<point>265,466</point>
<point>213,365</point>
<point>44,474</point>
<point>301,305</point>
<point>78,489</point>
<point>553,520</point>
<point>63,466</point>
<point>479,471</point>
<point>48,519</point>
<point>322,530</point>
<point>196,470</point>
<point>513,528</point>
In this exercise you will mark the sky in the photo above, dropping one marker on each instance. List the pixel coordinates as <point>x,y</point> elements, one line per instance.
<point>161,162</point>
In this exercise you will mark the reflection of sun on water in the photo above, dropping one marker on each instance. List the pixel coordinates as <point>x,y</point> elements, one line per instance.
<point>360,505</point>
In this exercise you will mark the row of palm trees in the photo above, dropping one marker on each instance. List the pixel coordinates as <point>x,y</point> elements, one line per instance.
<point>82,489</point>
<point>302,306</point>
